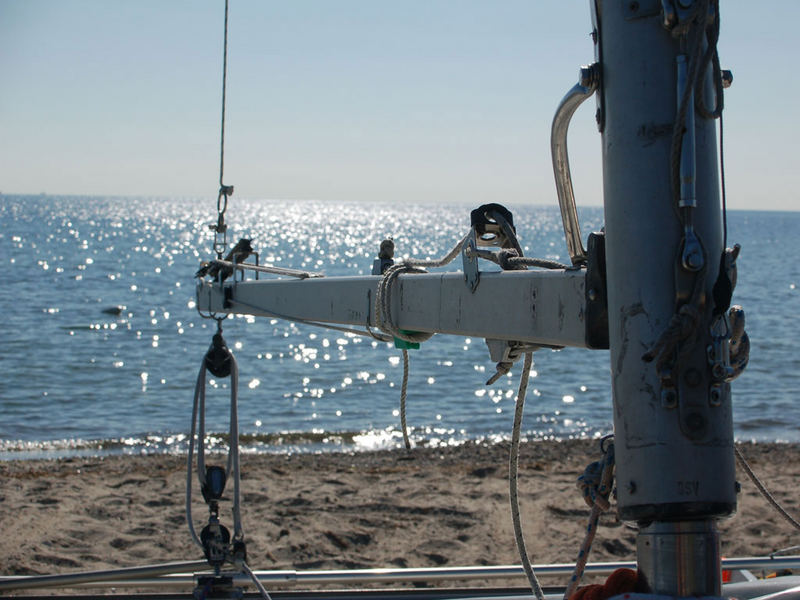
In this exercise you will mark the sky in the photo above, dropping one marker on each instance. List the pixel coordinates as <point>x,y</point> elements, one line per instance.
<point>349,100</point>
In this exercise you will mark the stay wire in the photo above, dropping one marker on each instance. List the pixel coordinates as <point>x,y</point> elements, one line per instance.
<point>722,184</point>
<point>220,230</point>
<point>224,86</point>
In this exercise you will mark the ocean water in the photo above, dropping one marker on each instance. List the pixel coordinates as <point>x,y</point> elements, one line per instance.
<point>101,340</point>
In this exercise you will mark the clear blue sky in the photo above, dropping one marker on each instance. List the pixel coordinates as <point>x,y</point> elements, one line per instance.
<point>349,99</point>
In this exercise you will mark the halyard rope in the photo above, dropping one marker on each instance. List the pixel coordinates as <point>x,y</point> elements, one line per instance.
<point>198,430</point>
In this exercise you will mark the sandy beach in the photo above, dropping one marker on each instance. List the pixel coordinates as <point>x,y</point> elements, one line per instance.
<point>426,508</point>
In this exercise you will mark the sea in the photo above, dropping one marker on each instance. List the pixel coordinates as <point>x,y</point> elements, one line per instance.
<point>102,341</point>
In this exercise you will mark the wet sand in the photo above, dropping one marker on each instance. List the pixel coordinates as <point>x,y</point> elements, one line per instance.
<point>426,508</point>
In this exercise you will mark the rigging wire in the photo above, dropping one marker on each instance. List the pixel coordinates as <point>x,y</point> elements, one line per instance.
<point>220,229</point>
<point>722,183</point>
<point>224,86</point>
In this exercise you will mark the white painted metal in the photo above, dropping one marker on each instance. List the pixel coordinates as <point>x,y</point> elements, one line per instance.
<point>540,307</point>
<point>673,462</point>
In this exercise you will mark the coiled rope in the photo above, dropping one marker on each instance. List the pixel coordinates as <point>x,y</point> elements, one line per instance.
<point>385,322</point>
<point>508,258</point>
<point>383,297</point>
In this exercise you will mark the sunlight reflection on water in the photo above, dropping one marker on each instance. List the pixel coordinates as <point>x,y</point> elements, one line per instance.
<point>105,339</point>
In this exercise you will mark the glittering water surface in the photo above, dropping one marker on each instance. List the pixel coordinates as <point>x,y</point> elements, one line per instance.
<point>101,340</point>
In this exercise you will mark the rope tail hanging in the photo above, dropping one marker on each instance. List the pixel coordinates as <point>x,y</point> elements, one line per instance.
<point>513,468</point>
<point>403,393</point>
<point>404,339</point>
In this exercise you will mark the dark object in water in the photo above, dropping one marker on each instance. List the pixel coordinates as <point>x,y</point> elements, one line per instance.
<point>387,249</point>
<point>114,310</point>
<point>238,254</point>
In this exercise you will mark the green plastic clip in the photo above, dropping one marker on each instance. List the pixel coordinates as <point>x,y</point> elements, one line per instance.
<point>404,345</point>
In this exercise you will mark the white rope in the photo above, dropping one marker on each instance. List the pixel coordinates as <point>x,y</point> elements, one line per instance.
<point>383,305</point>
<point>198,431</point>
<point>385,322</point>
<point>383,297</point>
<point>513,467</point>
<point>597,498</point>
<point>233,451</point>
<point>261,589</point>
<point>199,390</point>
<point>403,390</point>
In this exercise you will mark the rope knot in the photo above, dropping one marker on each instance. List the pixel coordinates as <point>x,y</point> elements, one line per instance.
<point>596,482</point>
<point>505,258</point>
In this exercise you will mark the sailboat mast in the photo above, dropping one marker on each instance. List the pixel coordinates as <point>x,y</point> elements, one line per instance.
<point>672,403</point>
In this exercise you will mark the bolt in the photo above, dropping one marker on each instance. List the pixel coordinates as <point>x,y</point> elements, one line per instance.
<point>631,487</point>
<point>669,398</point>
<point>693,261</point>
<point>592,294</point>
<point>715,396</point>
<point>633,6</point>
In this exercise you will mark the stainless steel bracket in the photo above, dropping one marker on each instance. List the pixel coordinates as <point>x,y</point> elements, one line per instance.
<point>469,256</point>
<point>586,86</point>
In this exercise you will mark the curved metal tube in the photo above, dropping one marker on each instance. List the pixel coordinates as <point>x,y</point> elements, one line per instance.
<point>589,81</point>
